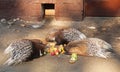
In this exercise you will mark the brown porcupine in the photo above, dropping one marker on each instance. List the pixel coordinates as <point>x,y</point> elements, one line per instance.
<point>24,50</point>
<point>64,36</point>
<point>90,47</point>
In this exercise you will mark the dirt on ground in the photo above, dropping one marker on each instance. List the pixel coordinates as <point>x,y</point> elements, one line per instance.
<point>106,28</point>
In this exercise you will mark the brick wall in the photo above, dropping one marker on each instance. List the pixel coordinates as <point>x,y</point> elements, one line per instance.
<point>33,10</point>
<point>64,9</point>
<point>69,9</point>
<point>25,9</point>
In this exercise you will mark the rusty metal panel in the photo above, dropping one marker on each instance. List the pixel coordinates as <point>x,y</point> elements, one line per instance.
<point>102,8</point>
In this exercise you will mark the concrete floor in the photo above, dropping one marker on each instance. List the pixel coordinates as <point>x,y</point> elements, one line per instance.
<point>107,28</point>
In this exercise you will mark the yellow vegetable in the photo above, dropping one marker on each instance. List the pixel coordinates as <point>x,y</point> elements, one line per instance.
<point>61,49</point>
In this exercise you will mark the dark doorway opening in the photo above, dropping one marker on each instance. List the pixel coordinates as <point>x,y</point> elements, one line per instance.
<point>48,9</point>
<point>49,6</point>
